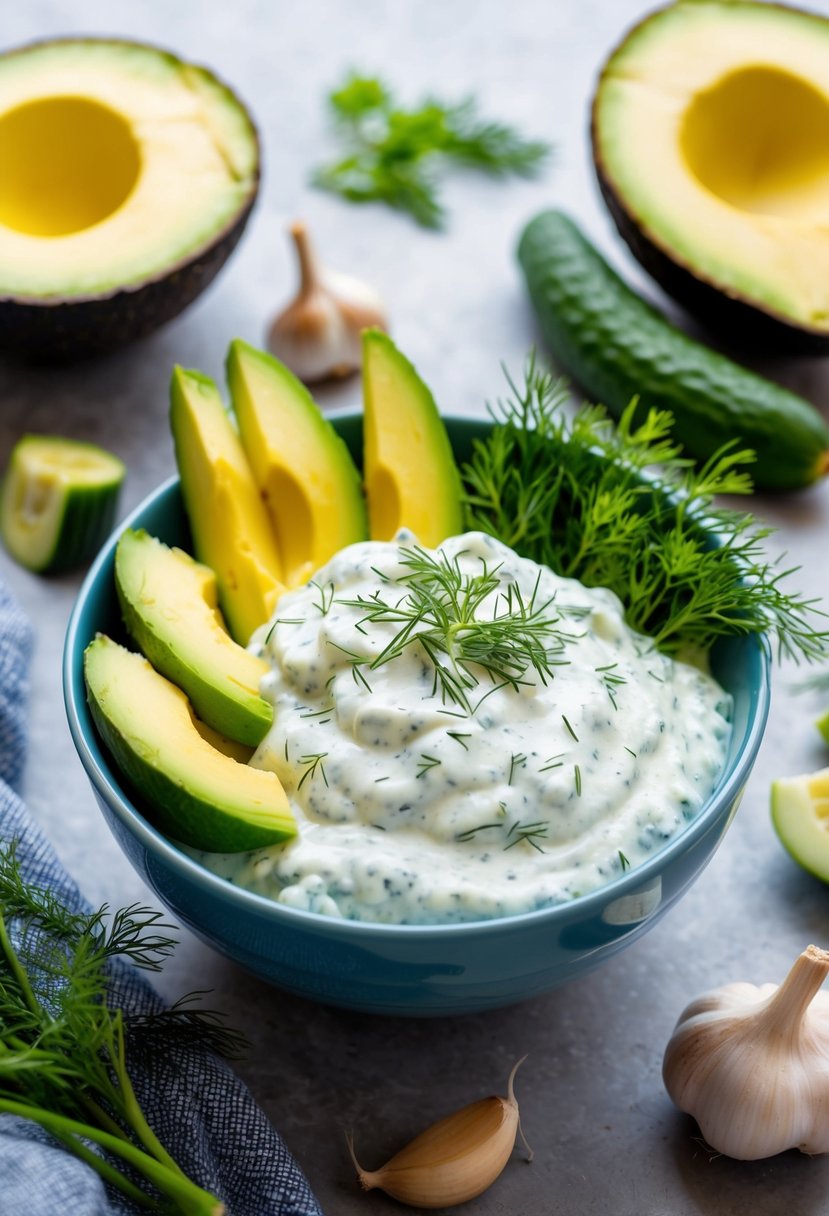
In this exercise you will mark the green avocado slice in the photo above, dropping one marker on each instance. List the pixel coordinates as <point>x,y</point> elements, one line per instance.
<point>169,604</point>
<point>197,793</point>
<point>303,469</point>
<point>410,474</point>
<point>231,530</point>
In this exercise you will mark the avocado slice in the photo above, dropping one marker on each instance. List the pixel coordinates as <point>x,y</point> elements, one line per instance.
<point>169,605</point>
<point>128,177</point>
<point>197,793</point>
<point>410,474</point>
<point>800,814</point>
<point>231,530</point>
<point>710,137</point>
<point>303,469</point>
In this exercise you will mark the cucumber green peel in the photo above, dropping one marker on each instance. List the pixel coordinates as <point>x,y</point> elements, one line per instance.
<point>616,346</point>
<point>58,502</point>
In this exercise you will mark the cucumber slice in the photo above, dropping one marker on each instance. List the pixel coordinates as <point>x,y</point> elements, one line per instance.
<point>800,814</point>
<point>58,502</point>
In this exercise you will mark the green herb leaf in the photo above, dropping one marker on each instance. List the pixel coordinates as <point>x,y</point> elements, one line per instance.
<point>438,608</point>
<point>63,1049</point>
<point>618,506</point>
<point>394,155</point>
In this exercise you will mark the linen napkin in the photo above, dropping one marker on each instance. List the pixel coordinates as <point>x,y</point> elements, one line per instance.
<point>194,1102</point>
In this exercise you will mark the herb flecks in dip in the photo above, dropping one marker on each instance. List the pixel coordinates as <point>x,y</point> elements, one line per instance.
<point>464,734</point>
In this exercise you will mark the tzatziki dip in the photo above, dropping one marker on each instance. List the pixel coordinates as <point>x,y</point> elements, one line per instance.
<point>464,734</point>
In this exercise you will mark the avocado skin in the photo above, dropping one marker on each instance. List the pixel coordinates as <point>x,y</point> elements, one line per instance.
<point>617,346</point>
<point>745,325</point>
<point>65,330</point>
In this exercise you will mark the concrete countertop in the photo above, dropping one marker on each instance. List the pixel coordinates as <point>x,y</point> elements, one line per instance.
<point>605,1135</point>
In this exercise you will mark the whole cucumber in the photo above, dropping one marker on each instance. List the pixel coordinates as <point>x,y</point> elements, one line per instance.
<point>617,346</point>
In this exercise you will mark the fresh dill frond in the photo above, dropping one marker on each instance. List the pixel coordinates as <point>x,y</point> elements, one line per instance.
<point>64,1044</point>
<point>569,728</point>
<point>517,760</point>
<point>325,596</point>
<point>314,762</point>
<point>184,1024</point>
<point>425,763</point>
<point>527,833</point>
<point>393,155</point>
<point>439,608</point>
<point>619,506</point>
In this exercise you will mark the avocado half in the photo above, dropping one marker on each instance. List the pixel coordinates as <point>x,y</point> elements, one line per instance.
<point>710,131</point>
<point>127,178</point>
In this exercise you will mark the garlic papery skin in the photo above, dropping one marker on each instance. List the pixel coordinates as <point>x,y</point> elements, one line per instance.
<point>318,335</point>
<point>751,1064</point>
<point>455,1159</point>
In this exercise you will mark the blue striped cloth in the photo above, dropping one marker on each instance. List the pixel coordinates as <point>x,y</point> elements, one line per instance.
<point>195,1104</point>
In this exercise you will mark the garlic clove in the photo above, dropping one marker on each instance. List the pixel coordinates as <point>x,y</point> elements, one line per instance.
<point>751,1064</point>
<point>318,334</point>
<point>453,1160</point>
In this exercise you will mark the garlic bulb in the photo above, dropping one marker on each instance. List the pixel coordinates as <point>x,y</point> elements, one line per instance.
<point>751,1064</point>
<point>318,335</point>
<point>456,1158</point>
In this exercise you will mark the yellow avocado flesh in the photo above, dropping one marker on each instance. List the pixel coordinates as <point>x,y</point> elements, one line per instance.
<point>711,123</point>
<point>169,604</point>
<point>800,813</point>
<point>231,529</point>
<point>303,469</point>
<point>118,160</point>
<point>201,795</point>
<point>410,474</point>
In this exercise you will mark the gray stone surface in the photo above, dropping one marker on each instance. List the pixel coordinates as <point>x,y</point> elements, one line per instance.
<point>606,1137</point>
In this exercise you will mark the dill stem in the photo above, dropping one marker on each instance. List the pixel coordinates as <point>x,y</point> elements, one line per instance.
<point>132,1110</point>
<point>190,1198</point>
<point>101,1166</point>
<point>18,970</point>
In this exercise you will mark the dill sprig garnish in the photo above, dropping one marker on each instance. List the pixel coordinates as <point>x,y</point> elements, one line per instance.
<point>529,833</point>
<point>619,506</point>
<point>439,608</point>
<point>516,833</point>
<point>314,762</point>
<point>425,763</point>
<point>64,1048</point>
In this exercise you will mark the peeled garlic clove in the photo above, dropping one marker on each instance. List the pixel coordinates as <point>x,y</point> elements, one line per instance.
<point>318,335</point>
<point>455,1159</point>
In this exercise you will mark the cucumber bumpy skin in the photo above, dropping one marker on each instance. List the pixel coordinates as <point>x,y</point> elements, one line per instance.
<point>617,346</point>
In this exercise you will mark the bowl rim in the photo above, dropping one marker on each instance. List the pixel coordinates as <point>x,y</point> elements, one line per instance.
<point>155,842</point>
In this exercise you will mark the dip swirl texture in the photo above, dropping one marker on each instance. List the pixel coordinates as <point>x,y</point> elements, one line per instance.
<point>416,807</point>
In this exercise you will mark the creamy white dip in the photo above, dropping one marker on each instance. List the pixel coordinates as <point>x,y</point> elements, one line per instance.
<point>413,808</point>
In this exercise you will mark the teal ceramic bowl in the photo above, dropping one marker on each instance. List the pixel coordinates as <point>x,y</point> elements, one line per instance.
<point>401,969</point>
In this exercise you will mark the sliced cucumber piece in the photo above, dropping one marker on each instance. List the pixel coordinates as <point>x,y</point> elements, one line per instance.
<point>59,501</point>
<point>800,814</point>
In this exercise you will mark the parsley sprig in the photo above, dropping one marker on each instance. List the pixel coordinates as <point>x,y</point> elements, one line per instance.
<point>619,506</point>
<point>394,155</point>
